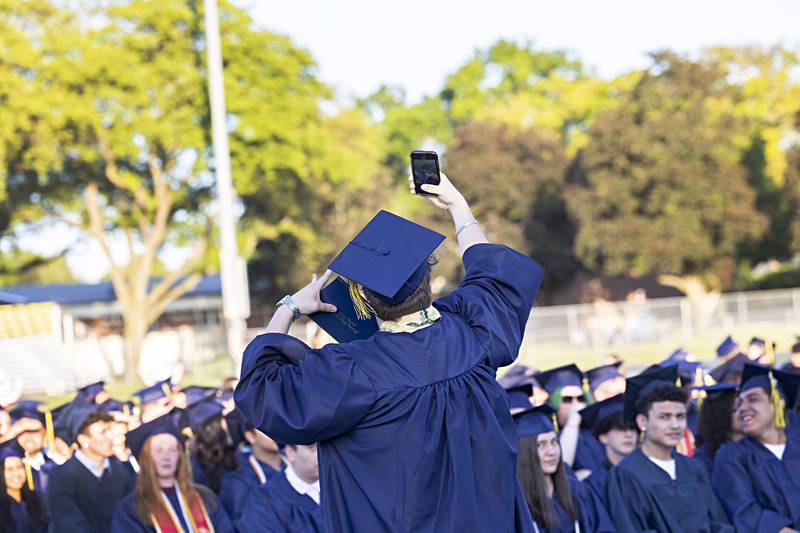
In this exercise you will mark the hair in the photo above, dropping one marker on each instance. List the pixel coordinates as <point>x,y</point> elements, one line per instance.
<point>215,451</point>
<point>615,421</point>
<point>714,426</point>
<point>37,513</point>
<point>534,487</point>
<point>93,418</point>
<point>147,493</point>
<point>555,398</point>
<point>796,347</point>
<point>660,394</point>
<point>420,299</point>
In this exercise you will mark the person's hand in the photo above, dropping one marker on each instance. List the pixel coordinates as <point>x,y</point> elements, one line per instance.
<point>307,298</point>
<point>574,415</point>
<point>446,194</point>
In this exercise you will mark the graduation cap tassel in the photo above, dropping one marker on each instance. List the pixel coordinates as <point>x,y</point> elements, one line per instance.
<point>778,416</point>
<point>363,309</point>
<point>51,434</point>
<point>587,393</point>
<point>555,422</point>
<point>29,476</point>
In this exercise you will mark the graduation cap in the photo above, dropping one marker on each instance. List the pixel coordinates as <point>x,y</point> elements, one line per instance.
<point>789,383</point>
<point>563,376</point>
<point>518,375</point>
<point>757,375</point>
<point>114,406</point>
<point>196,393</point>
<point>535,421</point>
<point>77,417</point>
<point>592,415</point>
<point>200,413</point>
<point>519,396</point>
<point>237,425</point>
<point>756,341</point>
<point>27,409</point>
<point>679,354</point>
<point>603,373</point>
<point>164,424</point>
<point>638,387</point>
<point>388,257</point>
<point>717,390</point>
<point>347,323</point>
<point>726,346</point>
<point>6,452</point>
<point>93,389</point>
<point>153,393</point>
<point>730,368</point>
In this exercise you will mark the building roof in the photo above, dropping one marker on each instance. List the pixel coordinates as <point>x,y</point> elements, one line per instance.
<point>83,293</point>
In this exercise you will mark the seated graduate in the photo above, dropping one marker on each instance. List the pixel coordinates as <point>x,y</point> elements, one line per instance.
<point>568,391</point>
<point>165,499</point>
<point>289,500</point>
<point>717,422</point>
<point>731,370</point>
<point>413,410</point>
<point>655,488</point>
<point>618,436</point>
<point>605,381</point>
<point>22,510</point>
<point>212,449</point>
<point>83,492</point>
<point>558,503</point>
<point>793,365</point>
<point>154,401</point>
<point>94,393</point>
<point>263,460</point>
<point>29,428</point>
<point>757,478</point>
<point>519,398</point>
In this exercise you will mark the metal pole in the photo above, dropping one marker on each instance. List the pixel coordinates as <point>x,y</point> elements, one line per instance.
<point>235,296</point>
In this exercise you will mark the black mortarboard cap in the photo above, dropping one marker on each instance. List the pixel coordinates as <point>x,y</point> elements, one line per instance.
<point>601,374</point>
<point>730,368</point>
<point>637,387</point>
<point>592,415</point>
<point>388,256</point>
<point>535,421</point>
<point>136,438</point>
<point>519,396</point>
<point>563,376</point>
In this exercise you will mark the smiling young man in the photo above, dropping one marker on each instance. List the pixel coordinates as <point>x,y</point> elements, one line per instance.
<point>757,478</point>
<point>655,488</point>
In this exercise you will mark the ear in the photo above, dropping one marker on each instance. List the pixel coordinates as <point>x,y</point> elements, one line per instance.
<point>641,422</point>
<point>603,439</point>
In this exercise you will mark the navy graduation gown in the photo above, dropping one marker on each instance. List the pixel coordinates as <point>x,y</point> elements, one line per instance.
<point>415,432</point>
<point>704,458</point>
<point>80,502</point>
<point>642,497</point>
<point>589,454</point>
<point>596,482</point>
<point>759,492</point>
<point>236,485</point>
<point>593,516</point>
<point>198,472</point>
<point>276,507</point>
<point>19,513</point>
<point>126,519</point>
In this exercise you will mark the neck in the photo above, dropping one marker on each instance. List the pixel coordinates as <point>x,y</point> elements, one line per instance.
<point>94,457</point>
<point>166,482</point>
<point>656,451</point>
<point>773,436</point>
<point>16,494</point>
<point>613,456</point>
<point>270,458</point>
<point>548,481</point>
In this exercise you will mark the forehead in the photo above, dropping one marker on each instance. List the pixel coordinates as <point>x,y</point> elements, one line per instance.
<point>12,462</point>
<point>753,394</point>
<point>546,437</point>
<point>668,407</point>
<point>163,439</point>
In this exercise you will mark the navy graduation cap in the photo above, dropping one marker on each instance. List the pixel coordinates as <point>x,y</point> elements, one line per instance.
<point>136,438</point>
<point>601,374</point>
<point>679,354</point>
<point>154,392</point>
<point>731,369</point>
<point>76,418</point>
<point>717,390</point>
<point>388,257</point>
<point>592,415</point>
<point>200,413</point>
<point>726,346</point>
<point>535,421</point>
<point>346,324</point>
<point>196,393</point>
<point>779,386</point>
<point>518,374</point>
<point>93,389</point>
<point>27,409</point>
<point>563,376</point>
<point>637,387</point>
<point>519,396</point>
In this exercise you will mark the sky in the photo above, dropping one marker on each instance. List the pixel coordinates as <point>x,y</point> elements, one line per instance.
<point>360,45</point>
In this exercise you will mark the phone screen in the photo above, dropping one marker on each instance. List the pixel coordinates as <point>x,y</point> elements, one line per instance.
<point>425,169</point>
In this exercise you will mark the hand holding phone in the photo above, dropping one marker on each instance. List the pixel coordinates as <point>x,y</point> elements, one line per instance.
<point>425,170</point>
<point>444,196</point>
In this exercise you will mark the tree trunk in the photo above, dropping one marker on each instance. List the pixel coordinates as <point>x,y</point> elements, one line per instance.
<point>135,331</point>
<point>703,300</point>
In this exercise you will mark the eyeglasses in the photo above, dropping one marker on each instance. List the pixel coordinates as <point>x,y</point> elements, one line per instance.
<point>570,399</point>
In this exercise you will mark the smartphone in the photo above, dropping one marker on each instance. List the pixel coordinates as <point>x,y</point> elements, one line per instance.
<point>425,169</point>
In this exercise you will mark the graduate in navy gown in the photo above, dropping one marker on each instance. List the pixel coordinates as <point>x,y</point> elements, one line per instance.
<point>289,501</point>
<point>558,503</point>
<point>758,478</point>
<point>83,492</point>
<point>256,468</point>
<point>618,437</point>
<point>165,499</point>
<point>22,510</point>
<point>212,450</point>
<point>793,364</point>
<point>29,428</point>
<point>568,390</point>
<point>655,488</point>
<point>717,422</point>
<point>414,431</point>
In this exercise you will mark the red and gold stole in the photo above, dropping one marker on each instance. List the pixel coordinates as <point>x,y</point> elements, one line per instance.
<point>165,519</point>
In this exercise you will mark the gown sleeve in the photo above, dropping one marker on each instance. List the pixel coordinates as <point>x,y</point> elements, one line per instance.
<point>594,516</point>
<point>258,514</point>
<point>125,518</point>
<point>322,396</point>
<point>233,493</point>
<point>626,503</point>
<point>733,486</point>
<point>495,297</point>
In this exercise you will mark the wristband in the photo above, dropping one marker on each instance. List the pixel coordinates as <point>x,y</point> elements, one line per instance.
<point>289,302</point>
<point>470,223</point>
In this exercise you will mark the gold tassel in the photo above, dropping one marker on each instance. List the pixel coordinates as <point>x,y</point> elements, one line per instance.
<point>778,416</point>
<point>555,422</point>
<point>586,390</point>
<point>167,390</point>
<point>363,309</point>
<point>126,410</point>
<point>29,475</point>
<point>51,434</point>
<point>770,349</point>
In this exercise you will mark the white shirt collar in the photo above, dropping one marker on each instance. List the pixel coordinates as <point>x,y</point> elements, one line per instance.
<point>309,489</point>
<point>90,465</point>
<point>35,461</point>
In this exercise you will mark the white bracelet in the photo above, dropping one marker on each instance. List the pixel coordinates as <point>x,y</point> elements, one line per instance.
<point>470,223</point>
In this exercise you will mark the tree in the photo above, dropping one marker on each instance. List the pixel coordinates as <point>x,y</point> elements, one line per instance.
<point>660,189</point>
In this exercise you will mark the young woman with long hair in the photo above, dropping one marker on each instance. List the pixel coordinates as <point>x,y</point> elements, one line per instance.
<point>717,423</point>
<point>165,498</point>
<point>21,509</point>
<point>557,503</point>
<point>213,451</point>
